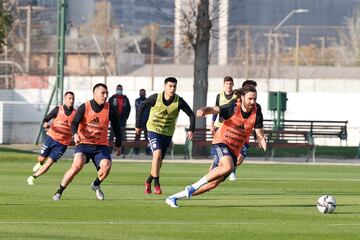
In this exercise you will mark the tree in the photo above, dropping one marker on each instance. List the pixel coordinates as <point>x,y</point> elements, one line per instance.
<point>99,24</point>
<point>5,21</point>
<point>201,64</point>
<point>196,30</point>
<point>349,47</point>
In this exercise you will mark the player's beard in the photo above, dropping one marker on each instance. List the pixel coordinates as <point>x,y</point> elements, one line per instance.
<point>248,106</point>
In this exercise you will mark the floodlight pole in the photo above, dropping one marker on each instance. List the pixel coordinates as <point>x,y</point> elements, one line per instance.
<point>300,10</point>
<point>274,30</point>
<point>58,89</point>
<point>60,54</point>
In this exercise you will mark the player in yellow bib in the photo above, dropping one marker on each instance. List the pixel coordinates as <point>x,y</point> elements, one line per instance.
<point>161,124</point>
<point>223,98</point>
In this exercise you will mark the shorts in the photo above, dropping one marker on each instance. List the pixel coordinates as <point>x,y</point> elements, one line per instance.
<point>52,149</point>
<point>244,149</point>
<point>220,150</point>
<point>96,153</point>
<point>159,141</point>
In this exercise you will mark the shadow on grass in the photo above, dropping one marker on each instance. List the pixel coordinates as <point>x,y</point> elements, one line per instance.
<point>17,204</point>
<point>250,205</point>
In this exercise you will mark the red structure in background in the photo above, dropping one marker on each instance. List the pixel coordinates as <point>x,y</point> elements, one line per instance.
<point>31,82</point>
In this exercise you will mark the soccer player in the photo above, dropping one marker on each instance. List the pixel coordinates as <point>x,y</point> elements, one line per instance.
<point>224,97</point>
<point>245,147</point>
<point>58,136</point>
<point>90,130</point>
<point>240,117</point>
<point>165,107</point>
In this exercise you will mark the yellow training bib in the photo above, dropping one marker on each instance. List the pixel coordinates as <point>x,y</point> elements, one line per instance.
<point>222,101</point>
<point>162,119</point>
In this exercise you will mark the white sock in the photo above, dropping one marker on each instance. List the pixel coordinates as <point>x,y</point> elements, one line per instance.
<point>179,195</point>
<point>199,183</point>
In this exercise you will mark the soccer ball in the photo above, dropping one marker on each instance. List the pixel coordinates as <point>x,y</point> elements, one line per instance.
<point>326,204</point>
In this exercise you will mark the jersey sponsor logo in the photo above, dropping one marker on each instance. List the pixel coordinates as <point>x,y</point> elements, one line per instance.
<point>95,121</point>
<point>161,114</point>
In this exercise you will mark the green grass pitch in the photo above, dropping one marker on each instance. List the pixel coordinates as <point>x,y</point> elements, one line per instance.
<point>266,202</point>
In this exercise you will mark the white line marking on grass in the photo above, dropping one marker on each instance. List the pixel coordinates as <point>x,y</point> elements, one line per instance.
<point>248,161</point>
<point>344,224</point>
<point>134,223</point>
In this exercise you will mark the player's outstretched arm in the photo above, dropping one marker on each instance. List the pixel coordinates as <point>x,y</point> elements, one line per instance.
<point>202,112</point>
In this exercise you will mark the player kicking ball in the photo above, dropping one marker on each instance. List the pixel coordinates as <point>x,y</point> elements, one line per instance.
<point>240,116</point>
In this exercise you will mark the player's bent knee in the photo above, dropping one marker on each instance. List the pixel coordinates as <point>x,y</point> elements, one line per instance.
<point>41,159</point>
<point>105,164</point>
<point>228,169</point>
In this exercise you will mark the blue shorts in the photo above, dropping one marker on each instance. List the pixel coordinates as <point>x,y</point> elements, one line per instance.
<point>244,149</point>
<point>220,150</point>
<point>94,152</point>
<point>52,149</point>
<point>159,141</point>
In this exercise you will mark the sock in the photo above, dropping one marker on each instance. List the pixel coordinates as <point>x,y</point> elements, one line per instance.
<point>97,182</point>
<point>149,179</point>
<point>156,181</point>
<point>179,195</point>
<point>199,183</point>
<point>60,189</point>
<point>34,176</point>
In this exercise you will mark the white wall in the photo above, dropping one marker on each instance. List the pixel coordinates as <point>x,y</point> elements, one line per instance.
<point>327,104</point>
<point>19,121</point>
<point>300,106</point>
<point>215,84</point>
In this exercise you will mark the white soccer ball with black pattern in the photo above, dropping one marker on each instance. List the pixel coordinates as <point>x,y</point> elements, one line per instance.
<point>326,204</point>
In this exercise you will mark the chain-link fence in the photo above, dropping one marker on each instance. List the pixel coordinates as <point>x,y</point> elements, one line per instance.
<point>103,47</point>
<point>258,51</point>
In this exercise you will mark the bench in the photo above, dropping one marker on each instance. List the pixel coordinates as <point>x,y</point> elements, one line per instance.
<point>130,142</point>
<point>275,139</point>
<point>317,129</point>
<point>287,139</point>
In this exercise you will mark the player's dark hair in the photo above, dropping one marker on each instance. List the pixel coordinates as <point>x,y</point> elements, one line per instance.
<point>99,85</point>
<point>228,79</point>
<point>244,90</point>
<point>170,79</point>
<point>69,92</point>
<point>249,82</point>
<point>119,86</point>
